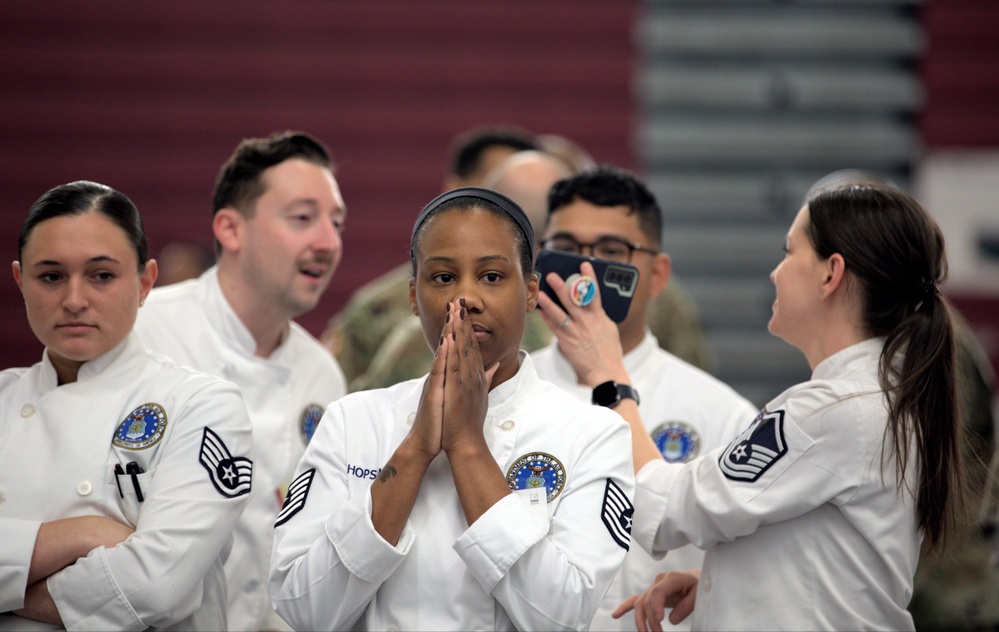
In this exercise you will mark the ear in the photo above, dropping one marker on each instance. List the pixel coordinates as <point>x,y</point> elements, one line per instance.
<point>412,298</point>
<point>662,265</point>
<point>148,279</point>
<point>227,225</point>
<point>835,275</point>
<point>533,284</point>
<point>15,268</point>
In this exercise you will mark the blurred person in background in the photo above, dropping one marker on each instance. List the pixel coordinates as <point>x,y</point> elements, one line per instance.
<point>182,260</point>
<point>277,218</point>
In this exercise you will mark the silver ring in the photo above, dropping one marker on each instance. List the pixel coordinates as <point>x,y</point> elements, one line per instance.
<point>565,322</point>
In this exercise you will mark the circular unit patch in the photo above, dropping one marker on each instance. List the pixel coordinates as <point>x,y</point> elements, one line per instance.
<point>677,442</point>
<point>536,470</point>
<point>310,421</point>
<point>142,428</point>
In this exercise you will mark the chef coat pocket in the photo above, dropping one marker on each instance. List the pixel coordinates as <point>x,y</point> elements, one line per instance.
<point>129,489</point>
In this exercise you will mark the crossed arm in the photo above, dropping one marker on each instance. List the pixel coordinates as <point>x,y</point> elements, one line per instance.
<point>59,544</point>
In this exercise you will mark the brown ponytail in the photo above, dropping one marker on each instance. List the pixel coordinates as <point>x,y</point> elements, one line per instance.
<point>895,251</point>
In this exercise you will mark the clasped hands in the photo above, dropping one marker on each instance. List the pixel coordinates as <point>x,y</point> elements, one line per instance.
<point>455,396</point>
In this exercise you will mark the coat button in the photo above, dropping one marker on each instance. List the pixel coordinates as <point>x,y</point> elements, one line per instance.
<point>508,425</point>
<point>84,488</point>
<point>411,419</point>
<point>27,410</point>
<point>707,585</point>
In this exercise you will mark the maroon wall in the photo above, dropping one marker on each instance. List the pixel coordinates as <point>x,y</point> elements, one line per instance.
<point>961,74</point>
<point>151,97</point>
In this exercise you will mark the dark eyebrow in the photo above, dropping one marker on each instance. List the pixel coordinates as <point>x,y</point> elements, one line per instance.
<point>484,259</point>
<point>97,259</point>
<point>566,235</point>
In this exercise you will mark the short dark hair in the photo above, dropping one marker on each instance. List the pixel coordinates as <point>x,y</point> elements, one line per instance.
<point>83,196</point>
<point>239,185</point>
<point>468,147</point>
<point>608,185</point>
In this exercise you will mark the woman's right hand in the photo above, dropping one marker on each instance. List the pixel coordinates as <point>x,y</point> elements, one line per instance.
<point>426,434</point>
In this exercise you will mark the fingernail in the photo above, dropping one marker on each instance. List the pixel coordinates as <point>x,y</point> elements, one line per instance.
<point>447,317</point>
<point>461,301</point>
<point>454,335</point>
<point>441,341</point>
<point>463,313</point>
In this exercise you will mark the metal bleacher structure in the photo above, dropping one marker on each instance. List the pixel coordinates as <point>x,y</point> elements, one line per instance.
<point>742,105</point>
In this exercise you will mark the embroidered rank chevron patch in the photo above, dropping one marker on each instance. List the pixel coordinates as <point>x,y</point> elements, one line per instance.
<point>231,475</point>
<point>297,493</point>
<point>617,514</point>
<point>756,449</point>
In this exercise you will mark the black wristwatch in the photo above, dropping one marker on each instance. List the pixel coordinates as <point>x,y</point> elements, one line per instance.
<point>610,394</point>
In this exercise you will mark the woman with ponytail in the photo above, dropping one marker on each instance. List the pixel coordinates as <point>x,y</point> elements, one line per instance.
<point>813,518</point>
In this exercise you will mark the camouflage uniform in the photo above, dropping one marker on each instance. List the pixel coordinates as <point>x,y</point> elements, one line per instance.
<point>356,333</point>
<point>378,341</point>
<point>958,588</point>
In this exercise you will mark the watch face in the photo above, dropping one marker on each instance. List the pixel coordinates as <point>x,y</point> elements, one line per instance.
<point>606,394</point>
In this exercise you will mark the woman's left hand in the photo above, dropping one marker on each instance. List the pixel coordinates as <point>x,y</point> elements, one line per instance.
<point>676,590</point>
<point>587,337</point>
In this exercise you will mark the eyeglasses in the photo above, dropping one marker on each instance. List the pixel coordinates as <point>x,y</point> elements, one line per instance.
<point>612,248</point>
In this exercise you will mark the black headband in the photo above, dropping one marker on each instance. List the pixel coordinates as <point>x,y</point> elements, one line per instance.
<point>500,200</point>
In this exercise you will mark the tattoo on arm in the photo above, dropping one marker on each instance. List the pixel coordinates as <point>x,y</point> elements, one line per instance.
<point>386,472</point>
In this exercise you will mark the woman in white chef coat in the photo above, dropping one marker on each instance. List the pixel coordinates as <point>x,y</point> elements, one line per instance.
<point>477,497</point>
<point>814,516</point>
<point>121,473</point>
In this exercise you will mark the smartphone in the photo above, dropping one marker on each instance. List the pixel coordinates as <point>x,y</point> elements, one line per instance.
<point>617,281</point>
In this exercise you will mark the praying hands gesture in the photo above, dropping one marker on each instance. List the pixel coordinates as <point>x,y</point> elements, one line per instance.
<point>450,417</point>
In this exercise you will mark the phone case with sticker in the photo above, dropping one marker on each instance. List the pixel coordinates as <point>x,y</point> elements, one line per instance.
<point>617,281</point>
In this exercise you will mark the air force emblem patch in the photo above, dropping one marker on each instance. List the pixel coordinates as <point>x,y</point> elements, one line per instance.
<point>677,442</point>
<point>142,428</point>
<point>617,513</point>
<point>298,491</point>
<point>536,470</point>
<point>230,474</point>
<point>756,449</point>
<point>310,421</point>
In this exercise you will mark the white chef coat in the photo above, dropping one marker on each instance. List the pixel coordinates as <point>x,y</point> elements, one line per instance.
<point>285,395</point>
<point>512,568</point>
<point>804,529</point>
<point>688,413</point>
<point>59,446</point>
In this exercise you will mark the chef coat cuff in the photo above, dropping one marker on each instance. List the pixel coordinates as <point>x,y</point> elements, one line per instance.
<point>18,537</point>
<point>491,545</point>
<point>92,601</point>
<point>363,551</point>
<point>652,486</point>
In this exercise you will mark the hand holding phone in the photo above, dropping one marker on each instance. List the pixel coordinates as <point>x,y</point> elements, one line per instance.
<point>616,281</point>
